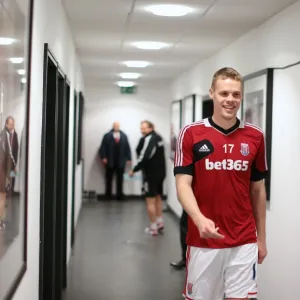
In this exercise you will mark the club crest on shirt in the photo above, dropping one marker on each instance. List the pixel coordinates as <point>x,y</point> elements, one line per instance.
<point>244,149</point>
<point>190,288</point>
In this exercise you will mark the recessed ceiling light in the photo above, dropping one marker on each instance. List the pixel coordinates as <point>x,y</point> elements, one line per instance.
<point>16,60</point>
<point>169,10</point>
<point>136,64</point>
<point>130,75</point>
<point>21,72</point>
<point>6,41</point>
<point>125,83</point>
<point>150,45</point>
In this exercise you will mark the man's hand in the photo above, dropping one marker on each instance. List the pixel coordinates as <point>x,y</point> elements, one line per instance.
<point>104,160</point>
<point>131,173</point>
<point>207,229</point>
<point>262,251</point>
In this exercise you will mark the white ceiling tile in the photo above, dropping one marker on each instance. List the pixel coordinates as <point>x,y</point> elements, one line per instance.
<point>104,31</point>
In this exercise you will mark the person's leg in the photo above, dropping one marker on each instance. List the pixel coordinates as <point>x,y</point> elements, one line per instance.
<point>181,264</point>
<point>241,273</point>
<point>120,174</point>
<point>183,233</point>
<point>204,275</point>
<point>151,206</point>
<point>159,205</point>
<point>108,177</point>
<point>2,209</point>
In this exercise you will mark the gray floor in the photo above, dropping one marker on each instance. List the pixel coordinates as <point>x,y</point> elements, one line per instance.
<point>114,260</point>
<point>12,221</point>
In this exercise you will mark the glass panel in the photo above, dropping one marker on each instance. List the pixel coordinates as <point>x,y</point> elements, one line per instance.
<point>14,24</point>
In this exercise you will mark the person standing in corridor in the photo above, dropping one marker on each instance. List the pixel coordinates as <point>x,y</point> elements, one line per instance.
<point>152,163</point>
<point>220,166</point>
<point>115,153</point>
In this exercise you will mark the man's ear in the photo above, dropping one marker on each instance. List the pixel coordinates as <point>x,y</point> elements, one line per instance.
<point>211,93</point>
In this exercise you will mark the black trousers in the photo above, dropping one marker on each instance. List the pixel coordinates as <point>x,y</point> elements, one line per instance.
<point>183,232</point>
<point>109,178</point>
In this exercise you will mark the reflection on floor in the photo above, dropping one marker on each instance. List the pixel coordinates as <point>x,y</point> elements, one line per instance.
<point>114,259</point>
<point>11,230</point>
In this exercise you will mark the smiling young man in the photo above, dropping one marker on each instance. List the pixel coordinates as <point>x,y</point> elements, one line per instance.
<point>220,167</point>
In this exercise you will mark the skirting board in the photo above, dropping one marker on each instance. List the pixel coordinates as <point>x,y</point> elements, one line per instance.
<point>131,197</point>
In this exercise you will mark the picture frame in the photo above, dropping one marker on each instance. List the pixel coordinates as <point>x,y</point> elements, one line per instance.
<point>257,107</point>
<point>15,73</point>
<point>80,107</point>
<point>188,109</point>
<point>175,126</point>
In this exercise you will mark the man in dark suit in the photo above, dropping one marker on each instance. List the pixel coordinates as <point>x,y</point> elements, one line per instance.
<point>115,153</point>
<point>14,148</point>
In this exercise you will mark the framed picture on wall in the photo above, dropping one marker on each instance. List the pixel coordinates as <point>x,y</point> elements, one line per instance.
<point>257,109</point>
<point>188,109</point>
<point>15,54</point>
<point>176,124</point>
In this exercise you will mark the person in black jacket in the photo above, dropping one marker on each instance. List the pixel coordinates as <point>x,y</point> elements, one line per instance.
<point>115,153</point>
<point>152,163</point>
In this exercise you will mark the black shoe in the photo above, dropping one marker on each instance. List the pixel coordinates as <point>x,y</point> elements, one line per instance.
<point>179,265</point>
<point>121,197</point>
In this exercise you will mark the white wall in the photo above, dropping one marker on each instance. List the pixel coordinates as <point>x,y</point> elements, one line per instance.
<point>105,105</point>
<point>57,34</point>
<point>274,44</point>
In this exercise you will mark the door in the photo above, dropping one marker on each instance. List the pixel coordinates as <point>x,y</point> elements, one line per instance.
<point>54,165</point>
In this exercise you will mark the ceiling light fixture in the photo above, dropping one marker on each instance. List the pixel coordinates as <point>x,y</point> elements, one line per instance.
<point>136,64</point>
<point>21,72</point>
<point>125,83</point>
<point>16,60</point>
<point>23,80</point>
<point>130,75</point>
<point>4,41</point>
<point>169,10</point>
<point>150,45</point>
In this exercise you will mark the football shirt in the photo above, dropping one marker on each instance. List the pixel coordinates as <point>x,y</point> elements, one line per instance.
<point>223,163</point>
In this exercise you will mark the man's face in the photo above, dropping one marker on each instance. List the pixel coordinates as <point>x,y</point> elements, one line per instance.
<point>145,129</point>
<point>116,126</point>
<point>10,125</point>
<point>227,96</point>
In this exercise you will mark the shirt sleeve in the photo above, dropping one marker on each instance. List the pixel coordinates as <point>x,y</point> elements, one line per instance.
<point>259,167</point>
<point>184,157</point>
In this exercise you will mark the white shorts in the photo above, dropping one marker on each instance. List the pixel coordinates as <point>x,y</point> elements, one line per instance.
<point>213,273</point>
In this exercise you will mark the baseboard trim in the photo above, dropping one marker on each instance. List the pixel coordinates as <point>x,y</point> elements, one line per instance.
<point>128,196</point>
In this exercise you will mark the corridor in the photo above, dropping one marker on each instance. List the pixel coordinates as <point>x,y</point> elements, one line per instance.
<point>114,260</point>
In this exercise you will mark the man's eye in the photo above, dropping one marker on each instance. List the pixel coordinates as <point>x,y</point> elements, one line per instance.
<point>236,95</point>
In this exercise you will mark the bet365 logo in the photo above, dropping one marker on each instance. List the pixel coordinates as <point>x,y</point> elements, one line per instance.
<point>227,164</point>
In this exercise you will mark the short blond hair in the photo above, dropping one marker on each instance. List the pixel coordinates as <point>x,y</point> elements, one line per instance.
<point>225,73</point>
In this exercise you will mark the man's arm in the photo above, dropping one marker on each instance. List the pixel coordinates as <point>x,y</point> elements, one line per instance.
<point>139,147</point>
<point>186,197</point>
<point>258,202</point>
<point>184,172</point>
<point>102,149</point>
<point>258,198</point>
<point>147,152</point>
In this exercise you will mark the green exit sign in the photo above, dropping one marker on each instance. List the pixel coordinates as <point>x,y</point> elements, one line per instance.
<point>128,89</point>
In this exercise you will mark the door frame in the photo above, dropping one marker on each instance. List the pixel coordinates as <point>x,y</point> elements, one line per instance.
<point>57,243</point>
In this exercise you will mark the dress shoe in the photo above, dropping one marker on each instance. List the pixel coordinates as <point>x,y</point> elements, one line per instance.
<point>179,265</point>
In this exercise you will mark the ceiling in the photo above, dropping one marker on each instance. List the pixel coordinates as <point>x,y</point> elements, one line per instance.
<point>104,30</point>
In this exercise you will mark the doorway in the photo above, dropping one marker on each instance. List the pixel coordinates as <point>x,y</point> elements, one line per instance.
<point>54,178</point>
